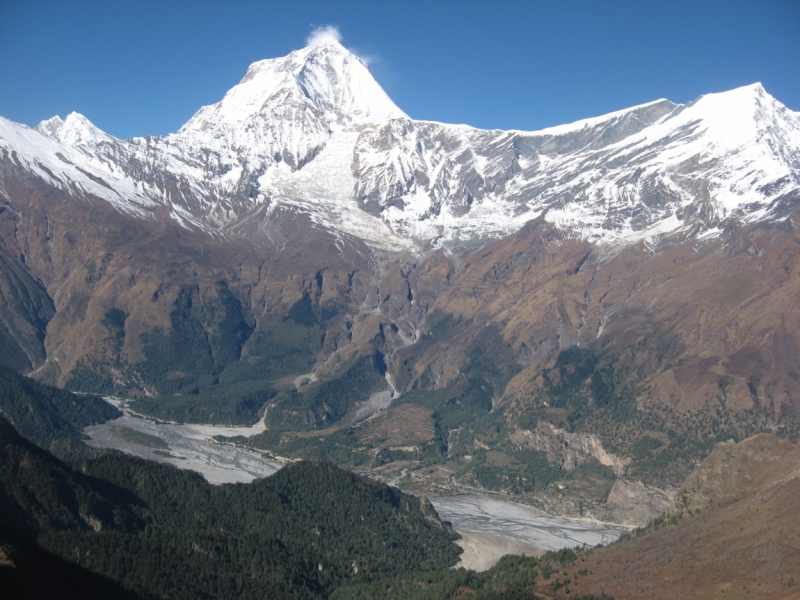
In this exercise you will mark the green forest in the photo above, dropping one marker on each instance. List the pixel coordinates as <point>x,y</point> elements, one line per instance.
<point>512,578</point>
<point>52,418</point>
<point>303,532</point>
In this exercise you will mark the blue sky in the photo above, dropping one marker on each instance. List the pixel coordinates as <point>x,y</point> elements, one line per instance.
<point>144,67</point>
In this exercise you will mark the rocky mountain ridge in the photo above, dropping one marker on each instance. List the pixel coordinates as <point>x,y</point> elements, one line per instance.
<point>374,173</point>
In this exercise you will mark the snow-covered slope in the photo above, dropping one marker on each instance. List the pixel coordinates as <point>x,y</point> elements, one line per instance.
<point>622,177</point>
<point>315,132</point>
<point>71,162</point>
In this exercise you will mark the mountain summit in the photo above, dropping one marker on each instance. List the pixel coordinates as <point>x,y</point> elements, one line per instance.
<point>321,83</point>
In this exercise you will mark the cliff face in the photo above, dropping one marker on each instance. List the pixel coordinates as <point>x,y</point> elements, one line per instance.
<point>565,449</point>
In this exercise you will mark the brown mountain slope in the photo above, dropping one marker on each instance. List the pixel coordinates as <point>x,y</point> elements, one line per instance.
<point>735,534</point>
<point>727,307</point>
<point>91,260</point>
<point>672,347</point>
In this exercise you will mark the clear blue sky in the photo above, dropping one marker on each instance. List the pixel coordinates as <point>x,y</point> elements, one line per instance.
<point>145,66</point>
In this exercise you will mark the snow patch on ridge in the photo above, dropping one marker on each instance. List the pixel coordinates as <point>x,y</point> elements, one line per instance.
<point>324,189</point>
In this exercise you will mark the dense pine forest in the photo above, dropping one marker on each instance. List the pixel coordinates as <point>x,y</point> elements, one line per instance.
<point>165,532</point>
<point>51,418</point>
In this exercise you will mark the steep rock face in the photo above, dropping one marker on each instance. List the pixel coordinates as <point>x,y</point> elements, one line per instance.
<point>113,280</point>
<point>635,504</point>
<point>26,310</point>
<point>568,450</point>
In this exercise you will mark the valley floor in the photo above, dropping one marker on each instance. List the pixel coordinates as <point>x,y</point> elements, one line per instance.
<point>490,528</point>
<point>520,523</point>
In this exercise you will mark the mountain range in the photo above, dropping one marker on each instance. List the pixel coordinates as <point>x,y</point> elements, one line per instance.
<point>570,316</point>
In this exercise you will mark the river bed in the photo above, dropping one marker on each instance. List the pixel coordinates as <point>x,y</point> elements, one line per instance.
<point>185,446</point>
<point>191,447</point>
<point>485,515</point>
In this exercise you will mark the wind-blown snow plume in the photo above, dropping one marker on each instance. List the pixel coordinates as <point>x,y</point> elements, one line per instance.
<point>322,35</point>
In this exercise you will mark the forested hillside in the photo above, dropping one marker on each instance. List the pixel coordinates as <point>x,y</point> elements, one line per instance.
<point>157,530</point>
<point>51,418</point>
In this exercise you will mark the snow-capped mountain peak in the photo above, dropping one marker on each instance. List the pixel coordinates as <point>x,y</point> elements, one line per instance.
<point>75,131</point>
<point>324,78</point>
<point>50,127</point>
